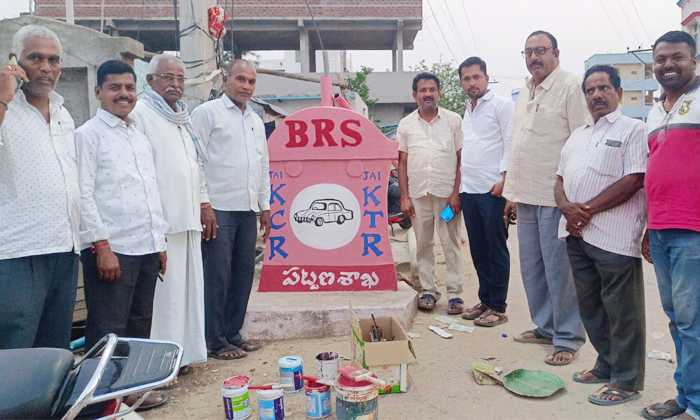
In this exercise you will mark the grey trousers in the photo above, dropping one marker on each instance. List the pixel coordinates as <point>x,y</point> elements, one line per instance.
<point>549,286</point>
<point>229,267</point>
<point>610,290</point>
<point>37,297</point>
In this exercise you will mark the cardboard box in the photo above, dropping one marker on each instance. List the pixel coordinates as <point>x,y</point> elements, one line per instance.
<point>388,359</point>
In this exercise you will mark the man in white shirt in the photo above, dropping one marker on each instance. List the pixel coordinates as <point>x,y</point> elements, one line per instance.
<point>39,198</point>
<point>122,226</point>
<point>599,193</point>
<point>430,140</point>
<point>178,308</point>
<point>238,182</point>
<point>487,127</point>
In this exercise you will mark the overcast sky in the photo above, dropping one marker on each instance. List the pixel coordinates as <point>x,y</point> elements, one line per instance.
<point>499,29</point>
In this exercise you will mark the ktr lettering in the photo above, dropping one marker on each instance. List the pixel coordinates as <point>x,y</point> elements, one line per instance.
<point>323,133</point>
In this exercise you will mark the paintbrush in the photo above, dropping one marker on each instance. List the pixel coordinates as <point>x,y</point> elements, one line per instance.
<point>321,381</point>
<point>357,374</point>
<point>271,386</point>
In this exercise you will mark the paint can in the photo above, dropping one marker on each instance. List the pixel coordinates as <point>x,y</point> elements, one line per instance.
<point>236,398</point>
<point>290,367</point>
<point>271,404</point>
<point>318,400</point>
<point>327,365</point>
<point>355,400</point>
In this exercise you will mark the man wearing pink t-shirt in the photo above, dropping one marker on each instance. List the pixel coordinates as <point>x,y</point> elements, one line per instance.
<point>672,240</point>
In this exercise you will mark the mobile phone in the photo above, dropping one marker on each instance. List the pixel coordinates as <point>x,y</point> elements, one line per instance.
<point>447,214</point>
<point>18,80</point>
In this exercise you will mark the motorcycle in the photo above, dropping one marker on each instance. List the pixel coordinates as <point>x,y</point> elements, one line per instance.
<point>47,383</point>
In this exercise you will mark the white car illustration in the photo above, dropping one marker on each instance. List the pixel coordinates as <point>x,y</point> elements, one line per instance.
<point>324,211</point>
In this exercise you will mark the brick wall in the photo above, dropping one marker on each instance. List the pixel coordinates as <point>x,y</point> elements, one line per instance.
<point>245,9</point>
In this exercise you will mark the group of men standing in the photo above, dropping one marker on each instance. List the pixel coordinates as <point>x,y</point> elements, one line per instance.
<point>142,191</point>
<point>583,181</point>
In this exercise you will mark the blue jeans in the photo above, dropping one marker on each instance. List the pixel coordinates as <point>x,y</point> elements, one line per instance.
<point>676,256</point>
<point>549,285</point>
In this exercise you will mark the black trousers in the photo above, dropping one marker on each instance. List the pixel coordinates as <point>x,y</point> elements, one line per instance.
<point>37,297</point>
<point>125,306</point>
<point>229,267</point>
<point>483,216</point>
<point>610,292</point>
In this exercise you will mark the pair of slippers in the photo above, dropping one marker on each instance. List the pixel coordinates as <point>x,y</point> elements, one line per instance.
<point>219,353</point>
<point>538,338</point>
<point>600,378</point>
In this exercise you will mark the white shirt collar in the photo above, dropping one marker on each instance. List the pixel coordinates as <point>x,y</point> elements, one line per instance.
<point>229,104</point>
<point>111,119</point>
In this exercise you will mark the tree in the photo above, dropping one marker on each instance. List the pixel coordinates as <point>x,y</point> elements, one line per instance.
<point>358,84</point>
<point>452,96</point>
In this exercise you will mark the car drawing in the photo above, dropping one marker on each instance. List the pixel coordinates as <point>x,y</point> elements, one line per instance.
<point>324,211</point>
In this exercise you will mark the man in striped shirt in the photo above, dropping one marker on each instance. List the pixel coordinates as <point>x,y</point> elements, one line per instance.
<point>599,193</point>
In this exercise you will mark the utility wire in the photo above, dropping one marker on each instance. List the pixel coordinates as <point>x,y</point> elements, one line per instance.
<point>651,40</point>
<point>434,40</point>
<point>470,28</point>
<point>441,32</point>
<point>453,26</point>
<point>613,23</point>
<point>177,27</point>
<point>624,13</point>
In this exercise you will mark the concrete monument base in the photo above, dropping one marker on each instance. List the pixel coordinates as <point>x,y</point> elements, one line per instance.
<point>299,315</point>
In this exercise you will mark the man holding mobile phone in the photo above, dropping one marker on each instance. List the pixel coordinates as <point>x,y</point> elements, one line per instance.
<point>39,197</point>
<point>430,143</point>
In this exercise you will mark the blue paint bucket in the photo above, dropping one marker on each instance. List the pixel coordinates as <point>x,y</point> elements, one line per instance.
<point>318,400</point>
<point>271,404</point>
<point>290,367</point>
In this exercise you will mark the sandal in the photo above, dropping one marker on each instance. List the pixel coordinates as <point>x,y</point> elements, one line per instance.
<point>185,370</point>
<point>561,362</point>
<point>427,302</point>
<point>455,307</point>
<point>148,403</point>
<point>218,354</point>
<point>539,338</point>
<point>673,409</point>
<point>600,377</point>
<point>172,385</point>
<point>248,346</point>
<point>502,319</point>
<point>595,397</point>
<point>475,312</point>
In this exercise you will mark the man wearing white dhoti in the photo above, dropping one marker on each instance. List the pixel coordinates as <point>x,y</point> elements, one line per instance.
<point>178,307</point>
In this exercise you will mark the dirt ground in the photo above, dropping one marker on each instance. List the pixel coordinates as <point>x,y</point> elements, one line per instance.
<point>441,384</point>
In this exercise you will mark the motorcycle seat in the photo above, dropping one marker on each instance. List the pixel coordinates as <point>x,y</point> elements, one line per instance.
<point>31,381</point>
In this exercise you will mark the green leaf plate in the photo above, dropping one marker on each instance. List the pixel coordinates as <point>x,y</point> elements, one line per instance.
<point>532,383</point>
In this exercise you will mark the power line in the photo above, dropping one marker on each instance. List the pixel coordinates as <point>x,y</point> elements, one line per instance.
<point>624,13</point>
<point>434,40</point>
<point>470,28</point>
<point>613,23</point>
<point>443,34</point>
<point>651,40</point>
<point>453,26</point>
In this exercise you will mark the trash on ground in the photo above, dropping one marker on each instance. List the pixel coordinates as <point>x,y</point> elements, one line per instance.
<point>657,335</point>
<point>444,319</point>
<point>504,335</point>
<point>660,355</point>
<point>439,331</point>
<point>413,335</point>
<point>498,370</point>
<point>528,383</point>
<point>459,327</point>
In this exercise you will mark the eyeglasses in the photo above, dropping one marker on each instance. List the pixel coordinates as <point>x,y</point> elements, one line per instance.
<point>538,51</point>
<point>170,78</point>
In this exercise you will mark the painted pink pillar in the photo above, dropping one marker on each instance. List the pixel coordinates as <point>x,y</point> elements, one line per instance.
<point>329,171</point>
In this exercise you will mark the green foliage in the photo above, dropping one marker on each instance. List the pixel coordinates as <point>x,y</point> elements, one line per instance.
<point>358,84</point>
<point>452,96</point>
